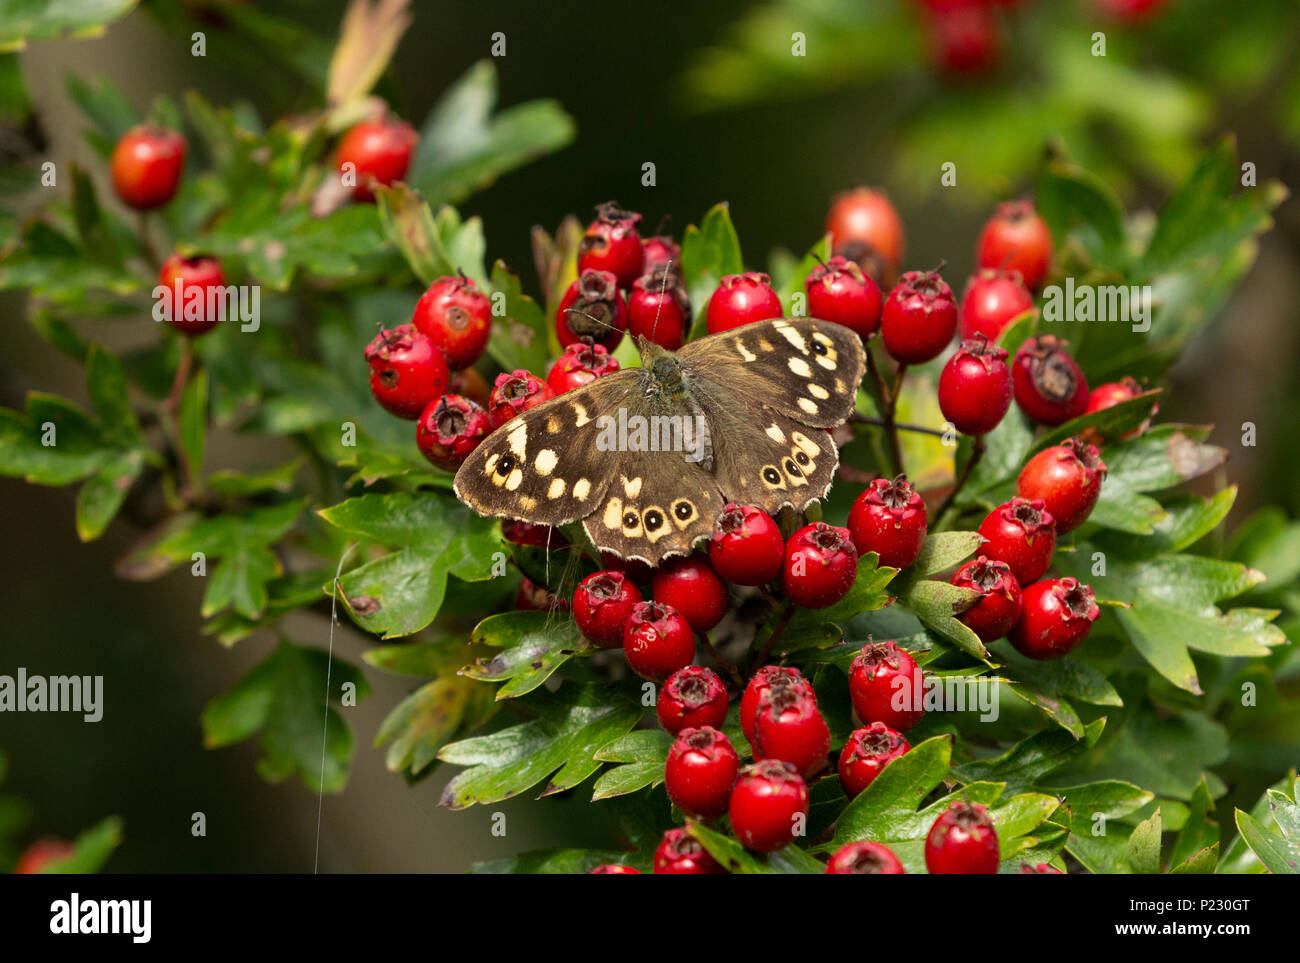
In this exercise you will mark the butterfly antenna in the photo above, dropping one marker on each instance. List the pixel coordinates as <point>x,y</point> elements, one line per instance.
<point>589,317</point>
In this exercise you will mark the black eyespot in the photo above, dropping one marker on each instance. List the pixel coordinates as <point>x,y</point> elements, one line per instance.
<point>683,510</point>
<point>802,457</point>
<point>818,347</point>
<point>770,475</point>
<point>629,520</point>
<point>653,520</point>
<point>791,468</point>
<point>504,466</point>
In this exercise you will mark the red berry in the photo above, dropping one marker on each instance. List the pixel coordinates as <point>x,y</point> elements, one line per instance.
<point>635,569</point>
<point>1038,869</point>
<point>1131,12</point>
<point>189,289</point>
<point>602,606</point>
<point>407,373</point>
<point>449,429</point>
<point>788,726</point>
<point>769,806</point>
<point>146,166</point>
<point>657,640</point>
<point>535,536</point>
<point>866,754</point>
<point>612,244</point>
<point>746,547</point>
<point>975,387</point>
<point>919,318</point>
<point>470,383</point>
<point>839,291</point>
<point>592,308</point>
<point>681,854</point>
<point>515,393</point>
<point>613,869</point>
<point>741,299</point>
<point>659,310</point>
<point>1049,385</point>
<point>701,771</point>
<point>864,858</point>
<point>661,252</point>
<point>692,697</point>
<point>820,565</point>
<point>1067,479</point>
<point>579,365</point>
<point>962,840</point>
<point>1016,239</point>
<point>965,38</point>
<point>997,610</point>
<point>864,225</point>
<point>1057,616</point>
<point>532,597</point>
<point>40,854</point>
<point>1021,533</point>
<point>379,152</point>
<point>889,518</point>
<point>764,680</point>
<point>993,300</point>
<point>886,685</point>
<point>1108,396</point>
<point>691,587</point>
<point>456,316</point>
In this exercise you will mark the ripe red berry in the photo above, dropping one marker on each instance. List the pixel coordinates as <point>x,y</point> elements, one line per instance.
<point>993,300</point>
<point>680,854</point>
<point>613,869</point>
<point>919,318</point>
<point>1021,533</point>
<point>635,569</point>
<point>657,640</point>
<point>690,585</point>
<point>612,244</point>
<point>1067,479</point>
<point>764,680</point>
<point>962,840</point>
<point>863,858</point>
<point>188,292</point>
<point>592,308</point>
<point>965,37</point>
<point>746,547</point>
<point>456,316</point>
<point>532,597</point>
<point>449,429</point>
<point>1038,869</point>
<point>701,770</point>
<point>1108,396</point>
<point>146,166</point>
<point>1057,616</point>
<point>1131,12</point>
<point>839,291</point>
<point>769,806</point>
<point>579,365</point>
<point>40,854</point>
<point>1049,384</point>
<point>692,697</point>
<point>789,726</point>
<point>515,393</point>
<point>997,610</point>
<point>741,299</point>
<point>407,373</point>
<point>863,225</point>
<point>889,518</point>
<point>602,606</point>
<point>866,754</point>
<point>659,310</point>
<point>379,152</point>
<point>1016,239</point>
<point>661,252</point>
<point>886,685</point>
<point>470,383</point>
<point>820,565</point>
<point>975,387</point>
<point>535,536</point>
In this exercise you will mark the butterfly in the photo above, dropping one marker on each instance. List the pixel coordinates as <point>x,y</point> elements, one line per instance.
<point>646,458</point>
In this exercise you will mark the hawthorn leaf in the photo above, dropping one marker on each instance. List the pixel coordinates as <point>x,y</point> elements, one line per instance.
<point>1098,839</point>
<point>735,858</point>
<point>557,862</point>
<point>642,754</point>
<point>533,645</point>
<point>520,338</point>
<point>1022,766</point>
<point>1276,846</point>
<point>90,850</point>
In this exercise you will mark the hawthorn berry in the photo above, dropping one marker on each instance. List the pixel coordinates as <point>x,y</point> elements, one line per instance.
<point>186,286</point>
<point>962,840</point>
<point>1131,12</point>
<point>1038,869</point>
<point>1057,616</point>
<point>789,726</point>
<point>866,753</point>
<point>701,771</point>
<point>692,697</point>
<point>456,316</point>
<point>889,518</point>
<point>532,597</point>
<point>1108,396</point>
<point>839,291</point>
<point>146,166</point>
<point>592,308</point>
<point>919,318</point>
<point>762,682</point>
<point>769,805</point>
<point>613,869</point>
<point>1048,383</point>
<point>1015,238</point>
<point>864,858</point>
<point>1067,479</point>
<point>661,252</point>
<point>579,365</point>
<point>40,854</point>
<point>997,610</point>
<point>864,226</point>
<point>658,309</point>
<point>535,536</point>
<point>515,393</point>
<point>657,640</point>
<point>407,373</point>
<point>975,387</point>
<point>741,299</point>
<point>820,565</point>
<point>635,569</point>
<point>602,606</point>
<point>690,586</point>
<point>379,152</point>
<point>886,685</point>
<point>993,300</point>
<point>471,384</point>
<point>611,243</point>
<point>449,429</point>
<point>965,37</point>
<point>680,854</point>
<point>1021,533</point>
<point>746,547</point>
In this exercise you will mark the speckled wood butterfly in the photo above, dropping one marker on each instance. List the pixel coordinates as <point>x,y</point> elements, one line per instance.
<point>647,457</point>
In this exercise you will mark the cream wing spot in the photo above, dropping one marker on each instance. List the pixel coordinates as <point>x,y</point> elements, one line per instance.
<point>527,502</point>
<point>580,415</point>
<point>631,487</point>
<point>804,443</point>
<point>518,439</point>
<point>514,479</point>
<point>613,517</point>
<point>818,392</point>
<point>556,489</point>
<point>745,352</point>
<point>581,489</point>
<point>776,434</point>
<point>791,335</point>
<point>490,465</point>
<point>808,405</point>
<point>545,461</point>
<point>826,362</point>
<point>552,425</point>
<point>800,367</point>
<point>765,345</point>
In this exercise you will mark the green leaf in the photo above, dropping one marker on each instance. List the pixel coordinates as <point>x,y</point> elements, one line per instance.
<point>734,858</point>
<point>193,422</point>
<point>554,862</point>
<point>937,604</point>
<point>939,553</point>
<point>533,645</point>
<point>106,384</point>
<point>408,223</point>
<point>240,485</point>
<point>100,498</point>
<point>430,717</point>
<point>1082,211</point>
<point>642,754</point>
<point>90,850</point>
<point>521,337</point>
<point>23,20</point>
<point>1143,848</point>
<point>1161,458</point>
<point>1098,840</point>
<point>1277,846</point>
<point>819,627</point>
<point>54,443</point>
<point>1023,765</point>
<point>1199,835</point>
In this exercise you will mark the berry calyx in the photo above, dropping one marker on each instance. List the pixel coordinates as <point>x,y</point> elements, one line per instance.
<point>611,243</point>
<point>975,387</point>
<point>661,252</point>
<point>658,309</point>
<point>1057,616</point>
<point>919,318</point>
<point>741,299</point>
<point>769,805</point>
<point>864,858</point>
<point>449,429</point>
<point>820,565</point>
<point>746,547</point>
<point>146,166</point>
<point>764,680</point>
<point>407,373</point>
<point>514,393</point>
<point>457,317</point>
<point>962,840</point>
<point>886,685</point>
<point>592,309</point>
<point>865,755</point>
<point>680,854</point>
<point>889,518</point>
<point>841,292</point>
<point>1048,383</point>
<point>1021,533</point>
<point>657,641</point>
<point>579,365</point>
<point>691,586</point>
<point>376,152</point>
<point>602,605</point>
<point>692,697</point>
<point>788,726</point>
<point>189,294</point>
<point>1067,479</point>
<point>993,300</point>
<point>1016,239</point>
<point>997,610</point>
<point>701,770</point>
<point>865,227</point>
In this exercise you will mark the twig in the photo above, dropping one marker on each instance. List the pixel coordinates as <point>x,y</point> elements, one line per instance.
<point>976,453</point>
<point>858,419</point>
<point>724,664</point>
<point>182,375</point>
<point>784,620</point>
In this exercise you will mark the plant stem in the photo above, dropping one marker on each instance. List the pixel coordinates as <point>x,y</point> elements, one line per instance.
<point>784,620</point>
<point>724,664</point>
<point>976,453</point>
<point>858,419</point>
<point>173,402</point>
<point>891,427</point>
<point>146,245</point>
